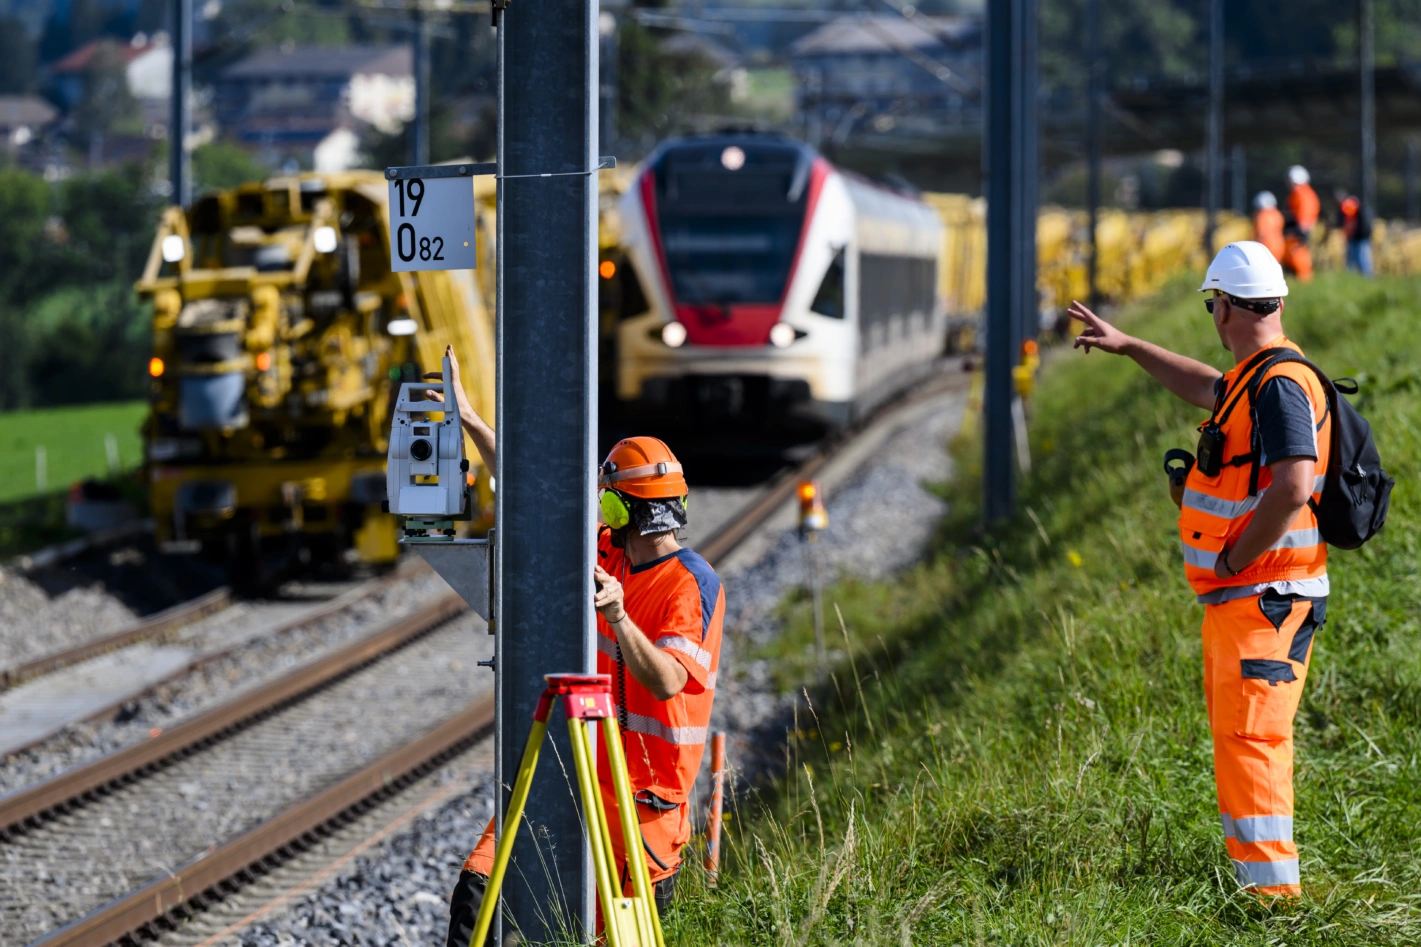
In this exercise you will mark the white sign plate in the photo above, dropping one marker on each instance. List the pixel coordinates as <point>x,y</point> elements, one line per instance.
<point>432,224</point>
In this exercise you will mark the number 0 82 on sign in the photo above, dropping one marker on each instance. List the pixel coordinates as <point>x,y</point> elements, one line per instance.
<point>432,224</point>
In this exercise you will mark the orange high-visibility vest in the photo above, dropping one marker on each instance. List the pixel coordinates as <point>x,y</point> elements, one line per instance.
<point>1268,230</point>
<point>677,601</point>
<point>1216,510</point>
<point>1303,202</point>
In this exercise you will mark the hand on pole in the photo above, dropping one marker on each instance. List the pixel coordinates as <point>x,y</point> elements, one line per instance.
<point>609,595</point>
<point>1098,333</point>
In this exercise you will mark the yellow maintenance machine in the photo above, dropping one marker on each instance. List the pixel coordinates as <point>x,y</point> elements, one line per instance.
<point>280,338</point>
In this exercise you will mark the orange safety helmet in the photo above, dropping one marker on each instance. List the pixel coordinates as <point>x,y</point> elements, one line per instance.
<point>642,467</point>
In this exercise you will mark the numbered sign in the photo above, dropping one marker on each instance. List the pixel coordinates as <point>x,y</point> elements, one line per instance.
<point>432,224</point>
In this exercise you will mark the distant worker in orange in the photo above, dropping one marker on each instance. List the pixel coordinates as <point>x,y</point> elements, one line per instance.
<point>1357,225</point>
<point>1268,224</point>
<point>1252,549</point>
<point>660,608</point>
<point>1305,208</point>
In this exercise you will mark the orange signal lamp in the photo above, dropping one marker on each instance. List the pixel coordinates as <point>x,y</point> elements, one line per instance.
<point>1029,347</point>
<point>155,367</point>
<point>607,269</point>
<point>812,515</point>
<point>263,361</point>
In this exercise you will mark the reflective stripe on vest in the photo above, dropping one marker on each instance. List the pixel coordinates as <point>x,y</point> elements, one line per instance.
<point>651,727</point>
<point>1216,511</point>
<point>674,642</point>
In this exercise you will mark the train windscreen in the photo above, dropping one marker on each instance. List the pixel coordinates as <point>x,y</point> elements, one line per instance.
<point>730,215</point>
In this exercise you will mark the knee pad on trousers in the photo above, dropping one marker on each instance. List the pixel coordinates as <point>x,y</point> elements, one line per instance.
<point>464,906</point>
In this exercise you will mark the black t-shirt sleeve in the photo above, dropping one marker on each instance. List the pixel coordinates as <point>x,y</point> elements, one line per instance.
<point>1285,421</point>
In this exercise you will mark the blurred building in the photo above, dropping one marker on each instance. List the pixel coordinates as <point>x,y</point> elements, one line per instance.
<point>293,100</point>
<point>894,77</point>
<point>22,120</point>
<point>148,68</point>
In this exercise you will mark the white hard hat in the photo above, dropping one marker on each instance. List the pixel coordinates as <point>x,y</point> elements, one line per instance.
<point>1264,199</point>
<point>1246,269</point>
<point>1298,174</point>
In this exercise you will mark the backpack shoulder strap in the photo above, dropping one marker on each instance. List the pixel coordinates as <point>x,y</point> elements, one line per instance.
<point>1259,363</point>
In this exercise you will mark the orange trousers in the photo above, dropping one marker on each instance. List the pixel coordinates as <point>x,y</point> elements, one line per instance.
<point>665,832</point>
<point>1256,652</point>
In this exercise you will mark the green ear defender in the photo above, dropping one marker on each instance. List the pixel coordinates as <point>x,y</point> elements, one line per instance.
<point>614,509</point>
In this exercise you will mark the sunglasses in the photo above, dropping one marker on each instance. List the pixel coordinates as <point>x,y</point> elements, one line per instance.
<point>1209,304</point>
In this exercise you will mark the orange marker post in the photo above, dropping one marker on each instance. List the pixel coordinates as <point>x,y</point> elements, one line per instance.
<point>717,804</point>
<point>813,518</point>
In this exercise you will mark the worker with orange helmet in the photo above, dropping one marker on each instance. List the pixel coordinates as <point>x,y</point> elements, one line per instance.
<point>660,608</point>
<point>1357,225</point>
<point>1268,223</point>
<point>1304,207</point>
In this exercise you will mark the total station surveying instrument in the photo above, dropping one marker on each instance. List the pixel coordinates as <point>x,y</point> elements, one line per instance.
<point>426,480</point>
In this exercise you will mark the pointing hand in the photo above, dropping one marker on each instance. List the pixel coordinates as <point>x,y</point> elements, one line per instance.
<point>1098,333</point>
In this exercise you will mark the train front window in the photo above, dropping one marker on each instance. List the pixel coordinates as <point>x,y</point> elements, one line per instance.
<point>730,234</point>
<point>741,259</point>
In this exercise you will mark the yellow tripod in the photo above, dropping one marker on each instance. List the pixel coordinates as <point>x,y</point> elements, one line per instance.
<point>628,922</point>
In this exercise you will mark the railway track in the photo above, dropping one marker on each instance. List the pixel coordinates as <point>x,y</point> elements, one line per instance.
<point>173,814</point>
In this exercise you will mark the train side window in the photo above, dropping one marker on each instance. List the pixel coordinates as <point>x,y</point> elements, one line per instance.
<point>633,299</point>
<point>829,300</point>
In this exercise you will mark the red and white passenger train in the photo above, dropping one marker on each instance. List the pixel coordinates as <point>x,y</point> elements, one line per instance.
<point>769,290</point>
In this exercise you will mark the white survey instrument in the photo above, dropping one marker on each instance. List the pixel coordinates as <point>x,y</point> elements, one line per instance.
<point>426,479</point>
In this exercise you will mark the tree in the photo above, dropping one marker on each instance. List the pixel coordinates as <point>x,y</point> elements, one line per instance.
<point>24,206</point>
<point>219,165</point>
<point>17,58</point>
<point>659,92</point>
<point>106,104</point>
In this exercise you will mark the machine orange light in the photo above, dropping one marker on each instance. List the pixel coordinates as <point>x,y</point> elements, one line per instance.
<point>807,491</point>
<point>155,367</point>
<point>263,361</point>
<point>812,515</point>
<point>607,269</point>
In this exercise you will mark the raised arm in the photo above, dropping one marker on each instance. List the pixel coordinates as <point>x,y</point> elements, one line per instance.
<point>479,431</point>
<point>1187,379</point>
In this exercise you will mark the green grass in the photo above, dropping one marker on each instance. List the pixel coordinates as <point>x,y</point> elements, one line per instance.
<point>1014,748</point>
<point>74,443</point>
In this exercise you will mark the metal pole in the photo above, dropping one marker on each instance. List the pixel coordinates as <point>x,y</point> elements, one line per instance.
<point>1003,159</point>
<point>608,63</point>
<point>1215,157</point>
<point>1413,172</point>
<point>420,145</point>
<point>1028,299</point>
<point>1238,174</point>
<point>547,411</point>
<point>1092,134</point>
<point>179,123</point>
<point>1366,62</point>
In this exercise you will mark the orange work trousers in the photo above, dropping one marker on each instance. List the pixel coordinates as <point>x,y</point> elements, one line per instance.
<point>1256,652</point>
<point>1298,258</point>
<point>665,831</point>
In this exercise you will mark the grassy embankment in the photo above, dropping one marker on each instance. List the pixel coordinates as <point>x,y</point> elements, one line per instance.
<point>75,448</point>
<point>1014,750</point>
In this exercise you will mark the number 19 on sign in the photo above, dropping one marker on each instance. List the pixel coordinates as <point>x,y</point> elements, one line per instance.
<point>432,224</point>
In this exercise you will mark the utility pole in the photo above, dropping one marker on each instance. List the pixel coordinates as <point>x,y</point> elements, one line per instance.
<point>1366,63</point>
<point>420,145</point>
<point>1238,175</point>
<point>1413,173</point>
<point>179,123</point>
<point>1092,135</point>
<point>608,62</point>
<point>1215,143</point>
<point>547,427</point>
<point>1009,169</point>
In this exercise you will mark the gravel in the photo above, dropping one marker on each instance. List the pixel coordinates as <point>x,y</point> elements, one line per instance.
<point>882,519</point>
<point>35,624</point>
<point>223,679</point>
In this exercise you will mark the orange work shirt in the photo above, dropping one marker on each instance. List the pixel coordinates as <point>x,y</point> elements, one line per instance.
<point>1268,230</point>
<point>1303,202</point>
<point>677,601</point>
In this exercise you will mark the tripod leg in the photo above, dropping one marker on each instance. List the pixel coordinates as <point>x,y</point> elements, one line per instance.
<point>516,801</point>
<point>599,840</point>
<point>631,827</point>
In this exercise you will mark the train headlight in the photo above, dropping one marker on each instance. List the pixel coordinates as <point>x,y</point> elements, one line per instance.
<point>402,327</point>
<point>673,334</point>
<point>174,248</point>
<point>324,239</point>
<point>782,335</point>
<point>732,158</point>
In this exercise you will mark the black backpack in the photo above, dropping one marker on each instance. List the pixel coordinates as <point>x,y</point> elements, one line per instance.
<point>1357,492</point>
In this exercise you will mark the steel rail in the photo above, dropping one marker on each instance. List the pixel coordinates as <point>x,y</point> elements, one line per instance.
<point>156,626</point>
<point>71,788</point>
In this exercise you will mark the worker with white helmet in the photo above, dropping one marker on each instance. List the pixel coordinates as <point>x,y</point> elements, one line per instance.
<point>1251,548</point>
<point>1268,224</point>
<point>1304,207</point>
